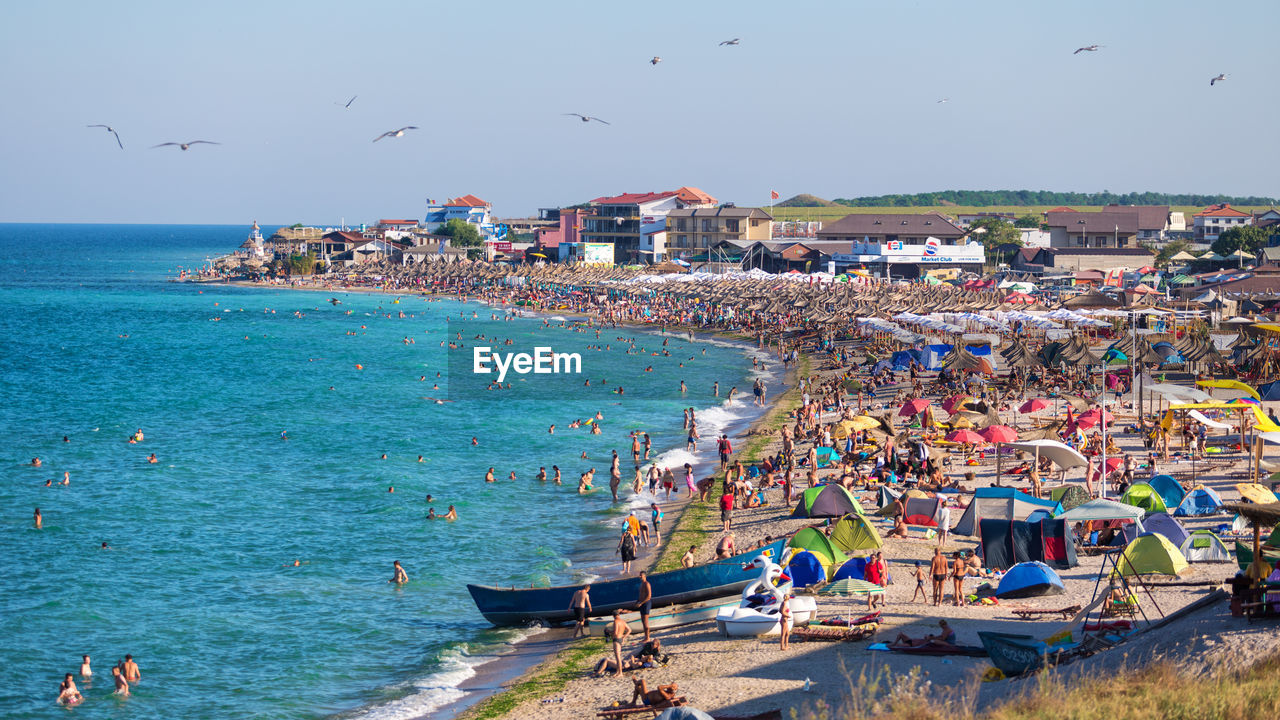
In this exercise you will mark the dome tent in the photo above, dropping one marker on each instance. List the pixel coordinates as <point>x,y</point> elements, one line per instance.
<point>1163,523</point>
<point>1142,495</point>
<point>854,533</point>
<point>1200,501</point>
<point>826,501</point>
<point>1169,490</point>
<point>812,540</point>
<point>1204,546</point>
<point>806,568</point>
<point>1150,554</point>
<point>1029,579</point>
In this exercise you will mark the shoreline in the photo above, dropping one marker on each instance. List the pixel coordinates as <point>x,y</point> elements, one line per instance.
<point>553,653</point>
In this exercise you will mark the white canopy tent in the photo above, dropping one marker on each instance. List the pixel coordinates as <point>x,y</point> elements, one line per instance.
<point>1104,510</point>
<point>1058,453</point>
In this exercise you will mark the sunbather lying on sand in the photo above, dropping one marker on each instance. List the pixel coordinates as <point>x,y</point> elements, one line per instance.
<point>944,641</point>
<point>661,697</point>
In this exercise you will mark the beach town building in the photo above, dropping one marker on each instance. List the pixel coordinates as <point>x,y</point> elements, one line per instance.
<point>636,223</point>
<point>565,226</point>
<point>1081,259</point>
<point>1156,223</point>
<point>898,245</point>
<point>1107,229</point>
<point>467,208</point>
<point>1211,222</point>
<point>692,232</point>
<point>395,229</point>
<point>964,220</point>
<point>253,246</point>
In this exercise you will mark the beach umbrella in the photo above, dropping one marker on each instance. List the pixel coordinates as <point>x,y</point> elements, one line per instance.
<point>966,437</point>
<point>1033,405</point>
<point>955,402</point>
<point>862,422</point>
<point>999,434</point>
<point>850,586</point>
<point>1091,418</point>
<point>914,407</point>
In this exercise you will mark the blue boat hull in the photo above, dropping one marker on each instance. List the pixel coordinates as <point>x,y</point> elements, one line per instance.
<point>521,606</point>
<point>1014,654</point>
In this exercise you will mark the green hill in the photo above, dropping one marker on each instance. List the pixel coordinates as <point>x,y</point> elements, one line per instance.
<point>805,200</point>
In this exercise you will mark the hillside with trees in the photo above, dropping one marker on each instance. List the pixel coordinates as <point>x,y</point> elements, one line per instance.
<point>984,198</point>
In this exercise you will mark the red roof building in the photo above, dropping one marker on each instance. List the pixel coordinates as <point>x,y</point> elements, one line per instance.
<point>1216,219</point>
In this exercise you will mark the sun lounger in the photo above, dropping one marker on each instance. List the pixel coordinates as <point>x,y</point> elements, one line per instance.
<point>1031,613</point>
<point>631,710</point>
<point>766,715</point>
<point>834,634</point>
<point>970,650</point>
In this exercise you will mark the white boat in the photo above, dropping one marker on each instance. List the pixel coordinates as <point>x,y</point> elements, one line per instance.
<point>599,627</point>
<point>758,611</point>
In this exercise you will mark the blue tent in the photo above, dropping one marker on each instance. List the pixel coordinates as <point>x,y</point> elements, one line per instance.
<point>1164,524</point>
<point>1029,579</point>
<point>828,456</point>
<point>881,365</point>
<point>1038,515</point>
<point>854,568</point>
<point>979,350</point>
<point>1270,391</point>
<point>931,356</point>
<point>1168,489</point>
<point>806,569</point>
<point>903,358</point>
<point>1201,501</point>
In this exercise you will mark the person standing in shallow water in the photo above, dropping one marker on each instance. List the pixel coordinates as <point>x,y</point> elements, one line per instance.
<point>400,577</point>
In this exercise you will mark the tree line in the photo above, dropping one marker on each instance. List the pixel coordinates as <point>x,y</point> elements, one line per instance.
<point>981,198</point>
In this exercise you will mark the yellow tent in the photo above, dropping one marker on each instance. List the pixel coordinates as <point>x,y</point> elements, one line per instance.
<point>862,422</point>
<point>1262,422</point>
<point>1230,385</point>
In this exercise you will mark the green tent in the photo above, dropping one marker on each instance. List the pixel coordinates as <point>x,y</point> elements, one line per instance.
<point>826,501</point>
<point>1069,496</point>
<point>1144,496</point>
<point>1150,554</point>
<point>855,534</point>
<point>815,542</point>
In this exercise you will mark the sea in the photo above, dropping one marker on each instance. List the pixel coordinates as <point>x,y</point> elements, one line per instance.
<point>296,436</point>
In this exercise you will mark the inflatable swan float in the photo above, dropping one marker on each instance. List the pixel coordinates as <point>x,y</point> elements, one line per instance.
<point>759,611</point>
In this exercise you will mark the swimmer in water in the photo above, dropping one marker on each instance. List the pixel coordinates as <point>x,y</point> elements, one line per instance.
<point>35,462</point>
<point>488,476</point>
<point>400,577</point>
<point>38,519</point>
<point>66,478</point>
<point>391,489</point>
<point>152,459</point>
<point>86,672</point>
<point>452,514</point>
<point>419,458</point>
<point>474,442</point>
<point>429,498</point>
<point>431,514</point>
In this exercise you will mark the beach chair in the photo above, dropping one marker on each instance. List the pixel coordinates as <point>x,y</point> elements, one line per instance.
<point>1031,613</point>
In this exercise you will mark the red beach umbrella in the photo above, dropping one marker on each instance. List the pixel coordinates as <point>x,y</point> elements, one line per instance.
<point>915,407</point>
<point>1091,418</point>
<point>1033,405</point>
<point>999,434</point>
<point>954,402</point>
<point>966,437</point>
<point>1112,464</point>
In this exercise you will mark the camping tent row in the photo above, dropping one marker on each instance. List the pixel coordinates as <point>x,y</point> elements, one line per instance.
<point>1002,504</point>
<point>819,557</point>
<point>1006,543</point>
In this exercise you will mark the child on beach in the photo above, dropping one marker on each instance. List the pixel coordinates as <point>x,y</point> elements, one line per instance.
<point>919,575</point>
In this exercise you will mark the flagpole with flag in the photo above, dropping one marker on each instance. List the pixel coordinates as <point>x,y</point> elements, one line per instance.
<point>773,195</point>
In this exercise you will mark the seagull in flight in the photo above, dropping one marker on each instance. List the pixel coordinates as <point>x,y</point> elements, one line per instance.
<point>1220,78</point>
<point>655,60</point>
<point>1086,48</point>
<point>112,131</point>
<point>944,100</point>
<point>734,41</point>
<point>186,145</point>
<point>587,118</point>
<point>347,104</point>
<point>395,133</point>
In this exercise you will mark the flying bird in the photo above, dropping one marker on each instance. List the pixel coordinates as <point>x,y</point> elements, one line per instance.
<point>587,118</point>
<point>944,100</point>
<point>1086,48</point>
<point>186,145</point>
<point>734,41</point>
<point>1220,78</point>
<point>347,104</point>
<point>395,133</point>
<point>655,60</point>
<point>112,131</point>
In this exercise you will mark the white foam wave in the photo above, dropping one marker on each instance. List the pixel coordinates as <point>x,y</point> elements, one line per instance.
<point>434,691</point>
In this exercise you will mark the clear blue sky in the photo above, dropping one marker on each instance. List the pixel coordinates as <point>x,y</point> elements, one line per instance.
<point>835,98</point>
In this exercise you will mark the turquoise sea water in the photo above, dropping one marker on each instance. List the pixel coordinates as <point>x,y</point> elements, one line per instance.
<point>198,583</point>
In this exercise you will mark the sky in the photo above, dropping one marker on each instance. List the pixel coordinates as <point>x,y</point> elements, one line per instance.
<point>838,99</point>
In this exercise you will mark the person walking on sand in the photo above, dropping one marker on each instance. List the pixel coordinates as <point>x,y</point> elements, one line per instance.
<point>725,448</point>
<point>726,509</point>
<point>580,606</point>
<point>919,575</point>
<point>644,602</point>
<point>958,571</point>
<point>655,515</point>
<point>627,550</point>
<point>688,560</point>
<point>620,631</point>
<point>938,573</point>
